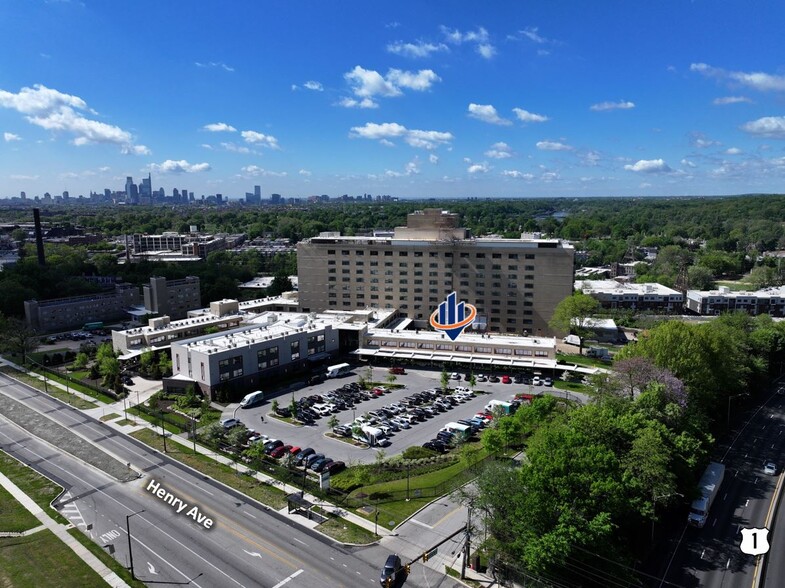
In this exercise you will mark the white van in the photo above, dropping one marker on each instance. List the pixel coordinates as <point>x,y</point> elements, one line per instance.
<point>252,399</point>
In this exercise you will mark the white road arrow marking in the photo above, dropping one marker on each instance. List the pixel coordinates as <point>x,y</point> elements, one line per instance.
<point>253,553</point>
<point>151,569</point>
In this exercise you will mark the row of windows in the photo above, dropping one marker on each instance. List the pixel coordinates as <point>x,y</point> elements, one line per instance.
<point>388,253</point>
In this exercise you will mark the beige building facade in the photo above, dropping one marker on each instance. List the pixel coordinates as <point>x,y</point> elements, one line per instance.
<point>514,283</point>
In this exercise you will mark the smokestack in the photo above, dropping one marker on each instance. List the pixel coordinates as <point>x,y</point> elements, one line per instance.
<point>39,236</point>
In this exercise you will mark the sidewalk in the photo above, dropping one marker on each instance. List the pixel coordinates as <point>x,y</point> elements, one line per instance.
<point>61,532</point>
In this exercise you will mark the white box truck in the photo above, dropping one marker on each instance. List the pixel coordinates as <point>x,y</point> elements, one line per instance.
<point>252,399</point>
<point>709,487</point>
<point>458,430</point>
<point>336,371</point>
<point>505,407</point>
<point>572,340</point>
<point>373,436</point>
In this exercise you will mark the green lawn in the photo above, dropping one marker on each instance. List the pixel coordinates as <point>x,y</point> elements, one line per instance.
<point>581,360</point>
<point>346,532</point>
<point>109,417</point>
<point>264,493</point>
<point>13,516</point>
<point>53,391</point>
<point>40,489</point>
<point>80,388</point>
<point>572,386</point>
<point>42,559</point>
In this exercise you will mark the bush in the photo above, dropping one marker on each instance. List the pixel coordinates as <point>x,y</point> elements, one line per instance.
<point>417,452</point>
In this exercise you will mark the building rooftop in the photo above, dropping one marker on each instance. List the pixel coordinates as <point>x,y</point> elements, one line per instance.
<point>614,287</point>
<point>724,291</point>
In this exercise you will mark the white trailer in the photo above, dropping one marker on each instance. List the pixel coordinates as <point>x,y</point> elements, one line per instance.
<point>709,487</point>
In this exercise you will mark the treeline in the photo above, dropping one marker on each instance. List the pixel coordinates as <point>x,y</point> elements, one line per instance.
<point>580,508</point>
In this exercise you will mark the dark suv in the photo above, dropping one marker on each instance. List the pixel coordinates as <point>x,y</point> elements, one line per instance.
<point>391,570</point>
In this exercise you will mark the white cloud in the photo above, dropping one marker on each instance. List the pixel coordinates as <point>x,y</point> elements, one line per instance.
<point>8,137</point>
<point>56,111</point>
<point>553,146</point>
<point>23,177</point>
<point>532,34</point>
<point>688,163</point>
<point>487,113</point>
<point>413,167</point>
<point>135,150</point>
<point>605,106</point>
<point>486,50</point>
<point>499,151</point>
<point>257,138</point>
<point>104,169</point>
<point>305,173</point>
<point>768,126</point>
<point>413,137</point>
<point>416,50</point>
<point>457,37</point>
<point>730,100</point>
<point>219,128</point>
<point>207,146</point>
<point>214,64</point>
<point>478,168</point>
<point>480,37</point>
<point>733,151</point>
<point>367,84</point>
<point>255,171</point>
<point>386,143</point>
<point>352,103</point>
<point>313,85</point>
<point>526,116</point>
<point>234,148</point>
<point>591,158</point>
<point>549,177</point>
<point>649,166</point>
<point>178,167</point>
<point>701,141</point>
<point>433,158</point>
<point>517,175</point>
<point>760,81</point>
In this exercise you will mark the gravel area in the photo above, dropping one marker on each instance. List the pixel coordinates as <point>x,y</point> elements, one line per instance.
<point>40,426</point>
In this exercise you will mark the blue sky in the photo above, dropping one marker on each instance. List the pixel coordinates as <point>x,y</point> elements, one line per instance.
<point>413,99</point>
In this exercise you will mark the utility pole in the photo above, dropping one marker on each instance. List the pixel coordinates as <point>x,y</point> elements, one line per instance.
<point>467,546</point>
<point>163,430</point>
<point>128,531</point>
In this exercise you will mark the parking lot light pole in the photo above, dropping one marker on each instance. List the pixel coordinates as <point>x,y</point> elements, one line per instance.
<point>128,532</point>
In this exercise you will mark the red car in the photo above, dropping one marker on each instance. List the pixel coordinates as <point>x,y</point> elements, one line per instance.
<point>279,452</point>
<point>294,450</point>
<point>397,370</point>
<point>506,380</point>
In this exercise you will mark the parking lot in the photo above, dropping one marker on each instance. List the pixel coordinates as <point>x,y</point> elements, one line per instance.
<point>415,380</point>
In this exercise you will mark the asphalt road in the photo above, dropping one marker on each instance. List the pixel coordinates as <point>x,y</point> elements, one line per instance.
<point>415,380</point>
<point>247,546</point>
<point>710,557</point>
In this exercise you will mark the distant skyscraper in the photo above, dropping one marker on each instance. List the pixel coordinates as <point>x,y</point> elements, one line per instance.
<point>257,191</point>
<point>146,187</point>
<point>24,196</point>
<point>66,196</point>
<point>276,198</point>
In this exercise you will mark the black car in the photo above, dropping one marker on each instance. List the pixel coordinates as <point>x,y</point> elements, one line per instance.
<point>420,413</point>
<point>494,379</point>
<point>313,458</point>
<point>392,570</point>
<point>435,445</point>
<point>270,445</point>
<point>335,467</point>
<point>304,453</point>
<point>321,465</point>
<point>518,378</point>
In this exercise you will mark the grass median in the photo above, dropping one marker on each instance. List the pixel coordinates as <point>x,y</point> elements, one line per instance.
<point>49,389</point>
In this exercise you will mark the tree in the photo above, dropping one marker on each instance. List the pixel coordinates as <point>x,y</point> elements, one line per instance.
<point>391,379</point>
<point>332,422</point>
<point>445,380</point>
<point>275,406</point>
<point>80,361</point>
<point>573,315</point>
<point>281,283</point>
<point>236,436</point>
<point>700,278</point>
<point>762,277</point>
<point>18,338</point>
<point>213,433</point>
<point>472,380</point>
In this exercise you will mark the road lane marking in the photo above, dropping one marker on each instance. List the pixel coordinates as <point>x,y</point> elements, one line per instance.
<point>245,512</point>
<point>151,569</point>
<point>298,541</point>
<point>714,522</point>
<point>416,522</point>
<point>724,497</point>
<point>747,503</point>
<point>285,580</point>
<point>756,480</point>
<point>727,565</point>
<point>253,553</point>
<point>703,553</point>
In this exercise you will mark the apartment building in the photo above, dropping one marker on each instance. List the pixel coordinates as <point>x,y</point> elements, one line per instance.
<point>514,283</point>
<point>173,298</point>
<point>769,301</point>
<point>652,296</point>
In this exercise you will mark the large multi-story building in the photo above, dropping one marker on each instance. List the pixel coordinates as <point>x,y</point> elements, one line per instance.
<point>192,245</point>
<point>514,283</point>
<point>769,301</point>
<point>614,294</point>
<point>172,298</point>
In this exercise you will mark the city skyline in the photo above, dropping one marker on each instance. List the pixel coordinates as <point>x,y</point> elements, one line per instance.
<point>401,99</point>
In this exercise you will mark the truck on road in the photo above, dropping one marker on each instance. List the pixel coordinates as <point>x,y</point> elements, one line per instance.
<point>709,487</point>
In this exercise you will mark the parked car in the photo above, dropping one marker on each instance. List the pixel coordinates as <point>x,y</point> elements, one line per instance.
<point>230,423</point>
<point>335,467</point>
<point>493,379</point>
<point>295,450</point>
<point>311,459</point>
<point>518,378</point>
<point>548,382</point>
<point>280,451</point>
<point>318,465</point>
<point>271,445</point>
<point>482,378</point>
<point>402,422</point>
<point>399,371</point>
<point>303,454</point>
<point>455,376</point>
<point>536,381</point>
<point>435,445</point>
<point>506,379</point>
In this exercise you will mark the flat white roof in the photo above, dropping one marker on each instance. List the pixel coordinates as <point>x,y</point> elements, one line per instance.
<point>773,292</point>
<point>180,324</point>
<point>466,337</point>
<point>614,287</point>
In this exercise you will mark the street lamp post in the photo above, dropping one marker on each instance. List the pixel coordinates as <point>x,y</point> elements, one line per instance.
<point>128,531</point>
<point>729,399</point>
<point>408,468</point>
<point>654,500</point>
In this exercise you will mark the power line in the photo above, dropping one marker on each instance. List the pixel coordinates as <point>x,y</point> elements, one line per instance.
<point>626,567</point>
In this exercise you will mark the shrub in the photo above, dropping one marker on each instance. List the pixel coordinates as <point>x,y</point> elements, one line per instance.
<point>416,452</point>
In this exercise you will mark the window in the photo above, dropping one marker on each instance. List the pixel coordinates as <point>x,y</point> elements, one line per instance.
<point>512,256</point>
<point>388,253</point>
<point>331,252</point>
<point>330,262</point>
<point>403,254</point>
<point>418,253</point>
<point>231,367</point>
<point>373,253</point>
<point>496,266</point>
<point>464,255</point>
<point>268,357</point>
<point>344,252</point>
<point>294,348</point>
<point>480,256</point>
<point>374,264</point>
<point>359,252</point>
<point>345,262</point>
<point>529,256</point>
<point>529,268</point>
